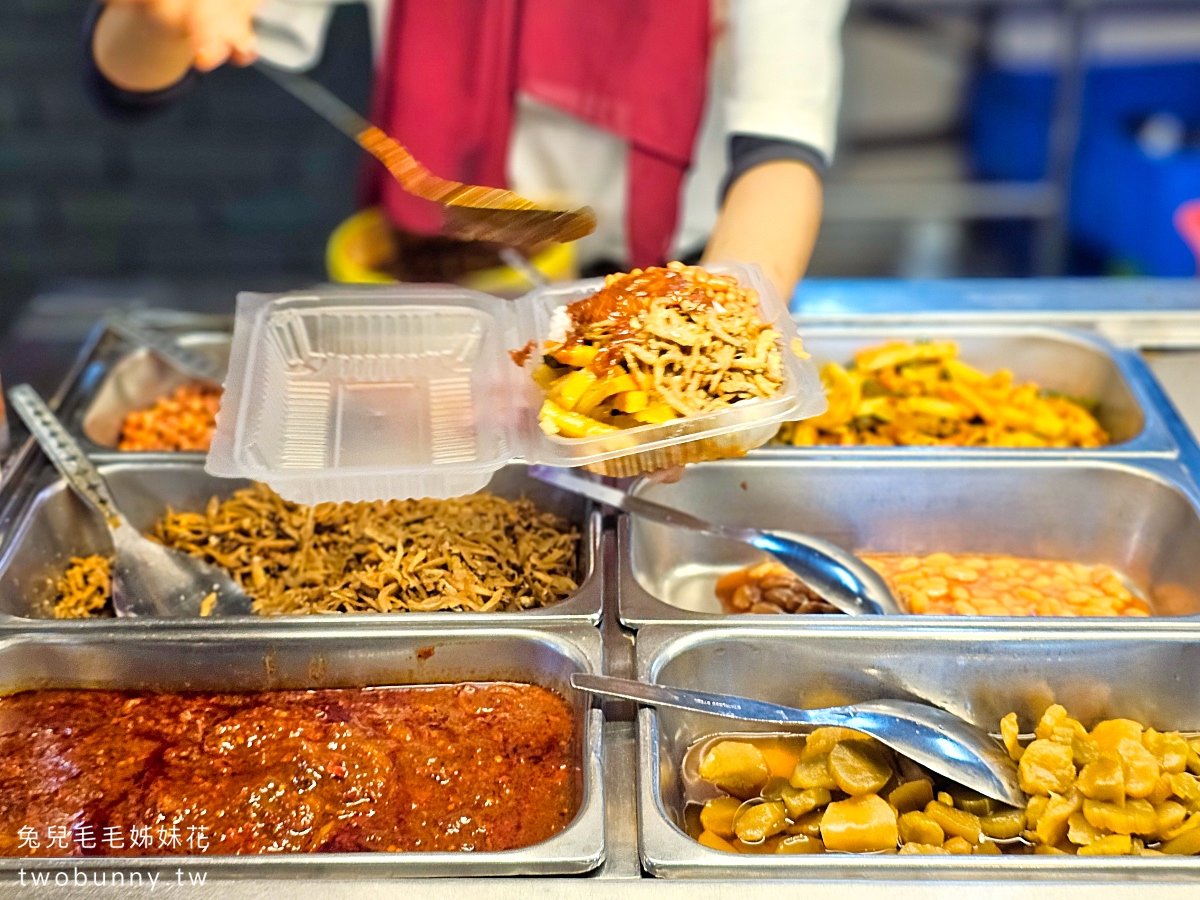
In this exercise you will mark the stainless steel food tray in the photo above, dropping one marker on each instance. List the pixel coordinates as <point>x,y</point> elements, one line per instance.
<point>981,675</point>
<point>46,524</point>
<point>254,659</point>
<point>1075,363</point>
<point>114,376</point>
<point>135,382</point>
<point>1139,515</point>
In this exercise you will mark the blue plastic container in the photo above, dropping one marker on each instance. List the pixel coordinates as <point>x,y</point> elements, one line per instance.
<point>1122,201</point>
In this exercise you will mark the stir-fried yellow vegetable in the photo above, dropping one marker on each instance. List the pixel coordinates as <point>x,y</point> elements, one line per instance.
<point>902,394</point>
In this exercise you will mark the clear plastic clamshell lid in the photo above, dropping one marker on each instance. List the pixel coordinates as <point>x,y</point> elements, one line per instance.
<point>415,391</point>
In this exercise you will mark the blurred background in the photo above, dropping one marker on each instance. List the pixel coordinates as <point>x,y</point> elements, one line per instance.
<point>979,139</point>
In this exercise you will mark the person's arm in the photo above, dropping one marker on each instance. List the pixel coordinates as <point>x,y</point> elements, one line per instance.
<point>770,216</point>
<point>782,121</point>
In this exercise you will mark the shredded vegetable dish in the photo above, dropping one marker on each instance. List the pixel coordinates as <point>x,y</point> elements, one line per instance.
<point>478,553</point>
<point>84,589</point>
<point>655,345</point>
<point>183,421</point>
<point>901,394</point>
<point>1117,790</point>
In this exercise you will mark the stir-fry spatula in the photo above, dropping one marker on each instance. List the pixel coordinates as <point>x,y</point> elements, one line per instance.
<point>838,577</point>
<point>471,212</point>
<point>932,737</point>
<point>148,579</point>
<point>188,362</point>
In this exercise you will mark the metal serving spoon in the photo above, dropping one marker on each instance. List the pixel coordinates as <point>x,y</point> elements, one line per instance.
<point>840,578</point>
<point>148,579</point>
<point>925,734</point>
<point>472,213</point>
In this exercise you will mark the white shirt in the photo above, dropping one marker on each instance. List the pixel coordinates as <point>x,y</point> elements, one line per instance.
<point>775,72</point>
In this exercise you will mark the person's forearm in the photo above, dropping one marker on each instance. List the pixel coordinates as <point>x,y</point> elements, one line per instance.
<point>771,216</point>
<point>137,52</point>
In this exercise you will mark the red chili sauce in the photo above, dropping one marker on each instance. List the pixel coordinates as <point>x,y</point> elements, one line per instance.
<point>463,767</point>
<point>626,298</point>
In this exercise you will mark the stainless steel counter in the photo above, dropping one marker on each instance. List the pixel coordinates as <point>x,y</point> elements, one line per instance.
<point>1163,321</point>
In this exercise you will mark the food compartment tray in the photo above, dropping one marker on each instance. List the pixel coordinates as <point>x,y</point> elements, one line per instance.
<point>50,524</point>
<point>1077,364</point>
<point>251,659</point>
<point>979,675</point>
<point>135,381</point>
<point>1139,516</point>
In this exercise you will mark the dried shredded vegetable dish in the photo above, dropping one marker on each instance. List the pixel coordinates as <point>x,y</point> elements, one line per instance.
<point>1118,790</point>
<point>900,394</point>
<point>84,589</point>
<point>183,421</point>
<point>479,553</point>
<point>652,346</point>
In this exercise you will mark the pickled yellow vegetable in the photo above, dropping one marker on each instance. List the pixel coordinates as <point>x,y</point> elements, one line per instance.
<point>972,801</point>
<point>958,846</point>
<point>1135,817</point>
<point>1169,815</point>
<point>987,848</point>
<point>736,767</point>
<point>1052,824</point>
<point>717,816</point>
<point>1141,768</point>
<point>861,824</point>
<point>809,824</point>
<point>1009,732</point>
<point>918,828</point>
<point>1082,832</point>
<point>1034,809</point>
<point>801,802</point>
<point>822,740</point>
<point>955,822</point>
<point>1103,779</point>
<point>1003,825</point>
<point>912,795</point>
<point>568,390</point>
<point>859,768</point>
<point>1185,844</point>
<point>924,849</point>
<point>1108,734</point>
<point>799,843</point>
<point>1046,766</point>
<point>759,822</point>
<point>813,772</point>
<point>1111,845</point>
<point>1170,750</point>
<point>715,842</point>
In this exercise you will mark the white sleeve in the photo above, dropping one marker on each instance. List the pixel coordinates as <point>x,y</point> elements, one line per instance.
<point>291,33</point>
<point>787,70</point>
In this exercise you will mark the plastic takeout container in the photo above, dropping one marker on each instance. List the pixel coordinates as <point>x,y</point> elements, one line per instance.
<point>411,391</point>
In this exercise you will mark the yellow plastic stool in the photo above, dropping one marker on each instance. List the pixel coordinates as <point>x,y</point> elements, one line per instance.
<point>359,248</point>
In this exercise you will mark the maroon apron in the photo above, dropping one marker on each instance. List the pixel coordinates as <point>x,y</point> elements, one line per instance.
<point>636,68</point>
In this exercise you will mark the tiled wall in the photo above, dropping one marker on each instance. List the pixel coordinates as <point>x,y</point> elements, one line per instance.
<point>237,179</point>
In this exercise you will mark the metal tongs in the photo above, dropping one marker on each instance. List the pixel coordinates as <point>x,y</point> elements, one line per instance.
<point>927,735</point>
<point>148,579</point>
<point>472,213</point>
<point>838,577</point>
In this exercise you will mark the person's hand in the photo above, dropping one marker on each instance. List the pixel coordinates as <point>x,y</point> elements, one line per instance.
<point>666,476</point>
<point>215,31</point>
